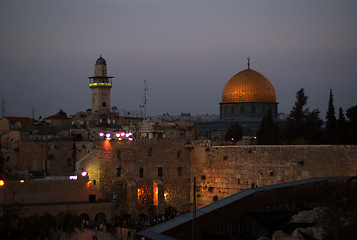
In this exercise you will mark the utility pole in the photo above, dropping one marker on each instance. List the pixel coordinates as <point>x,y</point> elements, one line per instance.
<point>113,222</point>
<point>194,210</point>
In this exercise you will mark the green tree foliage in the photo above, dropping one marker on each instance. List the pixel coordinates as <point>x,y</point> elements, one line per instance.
<point>13,226</point>
<point>303,126</point>
<point>351,113</point>
<point>234,133</point>
<point>268,132</point>
<point>330,121</point>
<point>68,222</point>
<point>10,222</point>
<point>341,128</point>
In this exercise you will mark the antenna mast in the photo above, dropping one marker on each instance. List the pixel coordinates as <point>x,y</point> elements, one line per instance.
<point>33,110</point>
<point>146,88</point>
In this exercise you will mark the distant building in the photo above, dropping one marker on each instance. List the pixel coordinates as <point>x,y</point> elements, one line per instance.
<point>17,123</point>
<point>59,120</point>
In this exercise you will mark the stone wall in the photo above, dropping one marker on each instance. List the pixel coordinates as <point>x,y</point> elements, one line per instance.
<point>223,170</point>
<point>130,168</point>
<point>45,191</point>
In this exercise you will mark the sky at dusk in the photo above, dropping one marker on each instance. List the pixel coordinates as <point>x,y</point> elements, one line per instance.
<point>186,50</point>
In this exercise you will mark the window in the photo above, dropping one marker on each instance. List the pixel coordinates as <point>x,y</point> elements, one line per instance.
<point>141,172</point>
<point>104,104</point>
<point>118,154</point>
<point>119,172</point>
<point>179,171</point>
<point>178,154</point>
<point>159,171</point>
<point>150,152</point>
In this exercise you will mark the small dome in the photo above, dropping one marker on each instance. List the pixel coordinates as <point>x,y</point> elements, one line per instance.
<point>248,86</point>
<point>100,61</point>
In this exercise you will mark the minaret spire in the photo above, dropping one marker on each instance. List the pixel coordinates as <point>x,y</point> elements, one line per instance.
<point>248,58</point>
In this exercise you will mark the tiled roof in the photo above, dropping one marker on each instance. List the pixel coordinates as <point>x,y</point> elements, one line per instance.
<point>20,119</point>
<point>57,116</point>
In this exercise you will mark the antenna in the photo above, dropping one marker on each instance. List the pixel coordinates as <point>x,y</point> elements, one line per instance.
<point>33,112</point>
<point>146,88</point>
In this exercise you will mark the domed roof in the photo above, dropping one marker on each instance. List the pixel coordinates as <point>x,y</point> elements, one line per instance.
<point>100,61</point>
<point>248,86</point>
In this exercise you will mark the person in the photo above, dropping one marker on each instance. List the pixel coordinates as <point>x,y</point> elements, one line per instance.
<point>95,235</point>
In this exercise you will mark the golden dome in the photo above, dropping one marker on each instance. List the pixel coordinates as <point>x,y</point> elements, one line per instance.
<point>248,86</point>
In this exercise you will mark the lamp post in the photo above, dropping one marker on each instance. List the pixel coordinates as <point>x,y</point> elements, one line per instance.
<point>113,222</point>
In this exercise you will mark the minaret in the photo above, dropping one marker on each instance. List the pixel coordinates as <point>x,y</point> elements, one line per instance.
<point>100,85</point>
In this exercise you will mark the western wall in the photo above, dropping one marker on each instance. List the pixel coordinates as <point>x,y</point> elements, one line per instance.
<point>131,170</point>
<point>224,170</point>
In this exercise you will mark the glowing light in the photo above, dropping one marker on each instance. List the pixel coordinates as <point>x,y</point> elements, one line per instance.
<point>89,182</point>
<point>84,173</point>
<point>22,181</point>
<point>101,134</point>
<point>156,195</point>
<point>130,139</point>
<point>122,134</point>
<point>107,145</point>
<point>117,135</point>
<point>2,183</point>
<point>232,139</point>
<point>73,177</point>
<point>108,135</point>
<point>119,139</point>
<point>255,137</point>
<point>100,84</point>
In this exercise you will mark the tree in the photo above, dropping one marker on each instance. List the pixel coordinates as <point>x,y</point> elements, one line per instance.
<point>312,127</point>
<point>351,113</point>
<point>330,121</point>
<point>234,133</point>
<point>303,126</point>
<point>341,128</point>
<point>268,132</point>
<point>68,222</point>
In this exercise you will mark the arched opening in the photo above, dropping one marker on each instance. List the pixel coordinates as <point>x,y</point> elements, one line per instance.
<point>100,218</point>
<point>85,220</point>
<point>171,211</point>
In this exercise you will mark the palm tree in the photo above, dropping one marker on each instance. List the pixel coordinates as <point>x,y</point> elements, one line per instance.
<point>68,222</point>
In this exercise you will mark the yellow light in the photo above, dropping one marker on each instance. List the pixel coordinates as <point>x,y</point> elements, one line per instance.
<point>232,139</point>
<point>89,182</point>
<point>2,183</point>
<point>21,181</point>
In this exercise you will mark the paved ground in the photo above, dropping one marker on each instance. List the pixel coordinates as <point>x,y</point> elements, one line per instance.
<point>88,235</point>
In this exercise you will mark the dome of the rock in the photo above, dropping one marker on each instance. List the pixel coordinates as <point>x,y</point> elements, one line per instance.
<point>248,86</point>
